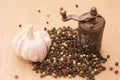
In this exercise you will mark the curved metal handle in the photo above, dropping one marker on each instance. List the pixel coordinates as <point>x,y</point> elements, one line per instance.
<point>69,17</point>
<point>90,15</point>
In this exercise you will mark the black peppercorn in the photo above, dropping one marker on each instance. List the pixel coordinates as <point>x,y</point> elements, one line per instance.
<point>16,76</point>
<point>47,22</point>
<point>37,71</point>
<point>111,68</point>
<point>76,5</point>
<point>116,64</point>
<point>20,25</point>
<point>45,28</point>
<point>108,56</point>
<point>39,11</point>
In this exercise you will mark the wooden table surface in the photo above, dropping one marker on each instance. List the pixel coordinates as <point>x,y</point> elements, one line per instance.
<point>25,12</point>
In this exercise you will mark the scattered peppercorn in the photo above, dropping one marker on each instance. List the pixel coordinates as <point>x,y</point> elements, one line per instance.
<point>76,5</point>
<point>47,22</point>
<point>16,76</point>
<point>61,8</point>
<point>116,64</point>
<point>39,11</point>
<point>37,71</point>
<point>48,15</point>
<point>108,56</point>
<point>45,28</point>
<point>20,25</point>
<point>111,68</point>
<point>65,59</point>
<point>116,71</point>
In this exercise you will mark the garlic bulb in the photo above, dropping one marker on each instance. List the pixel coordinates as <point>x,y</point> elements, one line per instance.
<point>31,45</point>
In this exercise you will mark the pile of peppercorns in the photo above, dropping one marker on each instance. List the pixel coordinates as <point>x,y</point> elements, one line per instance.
<point>65,58</point>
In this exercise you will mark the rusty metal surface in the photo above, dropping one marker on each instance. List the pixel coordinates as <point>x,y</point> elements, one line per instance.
<point>90,29</point>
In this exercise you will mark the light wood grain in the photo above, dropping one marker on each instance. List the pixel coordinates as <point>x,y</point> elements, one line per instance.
<point>25,12</point>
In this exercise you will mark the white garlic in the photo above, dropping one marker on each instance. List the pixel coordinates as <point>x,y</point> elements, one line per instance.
<point>31,45</point>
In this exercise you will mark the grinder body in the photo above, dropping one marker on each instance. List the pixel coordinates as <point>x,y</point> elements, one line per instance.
<point>90,35</point>
<point>90,30</point>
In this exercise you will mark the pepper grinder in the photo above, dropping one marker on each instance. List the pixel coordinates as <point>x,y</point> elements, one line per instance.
<point>90,29</point>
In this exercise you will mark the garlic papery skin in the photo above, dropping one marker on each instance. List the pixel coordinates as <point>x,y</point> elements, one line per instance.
<point>32,46</point>
<point>44,35</point>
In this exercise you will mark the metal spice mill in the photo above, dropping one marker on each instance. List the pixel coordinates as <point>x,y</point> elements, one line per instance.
<point>90,29</point>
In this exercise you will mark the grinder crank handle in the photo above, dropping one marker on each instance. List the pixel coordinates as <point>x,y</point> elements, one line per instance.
<point>68,17</point>
<point>92,15</point>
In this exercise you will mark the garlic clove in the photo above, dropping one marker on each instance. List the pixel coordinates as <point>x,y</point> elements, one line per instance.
<point>44,48</point>
<point>25,49</point>
<point>36,51</point>
<point>27,40</point>
<point>14,42</point>
<point>20,36</point>
<point>17,42</point>
<point>45,36</point>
